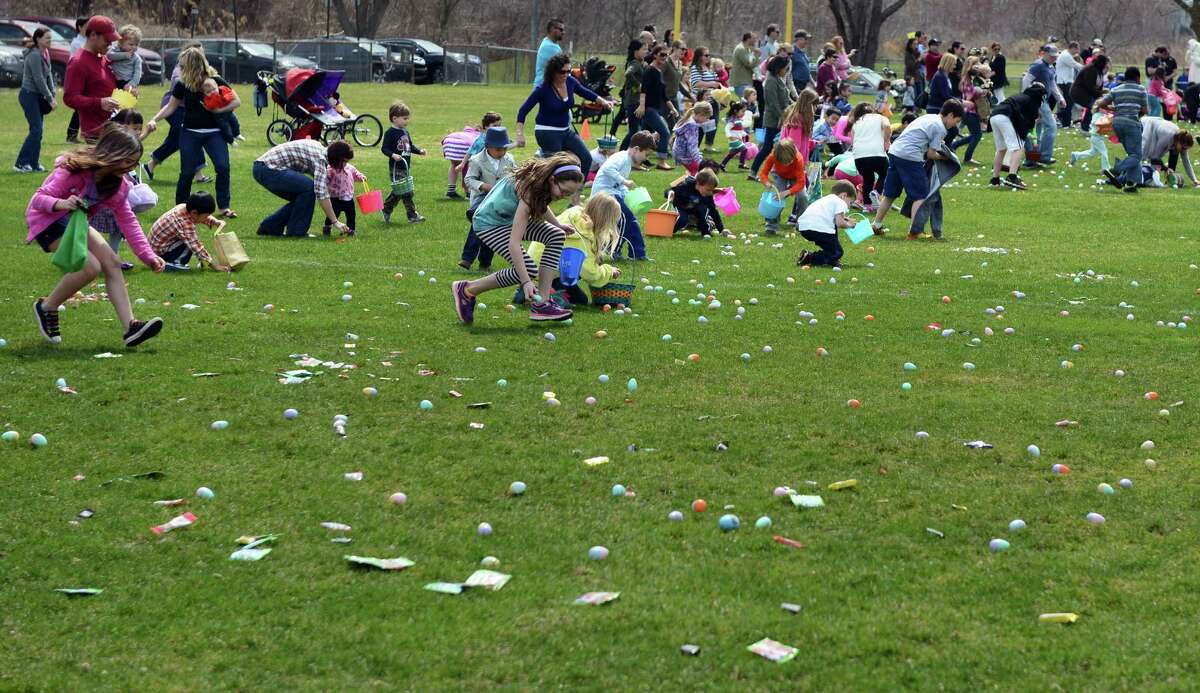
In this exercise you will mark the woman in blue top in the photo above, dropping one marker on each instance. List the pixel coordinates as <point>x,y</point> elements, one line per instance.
<point>939,86</point>
<point>554,98</point>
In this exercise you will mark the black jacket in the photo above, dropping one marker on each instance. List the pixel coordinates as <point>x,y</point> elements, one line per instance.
<point>1022,110</point>
<point>1088,86</point>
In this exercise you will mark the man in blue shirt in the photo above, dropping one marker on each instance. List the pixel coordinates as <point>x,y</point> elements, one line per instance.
<point>1042,72</point>
<point>801,72</point>
<point>550,47</point>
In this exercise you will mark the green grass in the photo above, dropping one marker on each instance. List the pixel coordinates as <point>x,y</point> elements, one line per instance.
<point>886,605</point>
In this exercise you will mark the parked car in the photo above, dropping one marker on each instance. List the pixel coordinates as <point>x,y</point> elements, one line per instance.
<point>152,63</point>
<point>16,32</point>
<point>241,62</point>
<point>361,58</point>
<point>11,66</point>
<point>433,64</point>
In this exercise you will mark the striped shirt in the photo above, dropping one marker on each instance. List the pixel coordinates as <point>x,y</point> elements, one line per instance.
<point>303,156</point>
<point>1128,101</point>
<point>699,74</point>
<point>176,226</point>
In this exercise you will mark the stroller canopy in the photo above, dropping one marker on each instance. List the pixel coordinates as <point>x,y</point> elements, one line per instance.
<point>303,86</point>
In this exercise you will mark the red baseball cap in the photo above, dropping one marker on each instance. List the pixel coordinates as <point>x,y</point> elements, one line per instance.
<point>100,24</point>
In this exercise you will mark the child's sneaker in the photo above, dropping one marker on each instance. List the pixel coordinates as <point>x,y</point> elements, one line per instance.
<point>547,310</point>
<point>1111,177</point>
<point>874,197</point>
<point>47,322</point>
<point>1073,159</point>
<point>387,217</point>
<point>912,236</point>
<point>140,331</point>
<point>802,259</point>
<point>464,305</point>
<point>415,218</point>
<point>1130,188</point>
<point>464,264</point>
<point>996,182</point>
<point>1012,181</point>
<point>453,195</point>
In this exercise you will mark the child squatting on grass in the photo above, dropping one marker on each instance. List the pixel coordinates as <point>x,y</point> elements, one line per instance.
<point>91,179</point>
<point>516,210</point>
<point>173,235</point>
<point>820,223</point>
<point>597,235</point>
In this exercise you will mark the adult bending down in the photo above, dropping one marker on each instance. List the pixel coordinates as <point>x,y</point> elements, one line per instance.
<point>1011,121</point>
<point>1162,138</point>
<point>282,170</point>
<point>201,130</point>
<point>555,97</point>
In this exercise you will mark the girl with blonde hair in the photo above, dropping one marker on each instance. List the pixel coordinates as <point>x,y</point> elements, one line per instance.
<point>596,234</point>
<point>92,179</point>
<point>201,133</point>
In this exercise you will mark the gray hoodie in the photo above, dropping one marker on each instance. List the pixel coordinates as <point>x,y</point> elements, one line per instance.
<point>37,76</point>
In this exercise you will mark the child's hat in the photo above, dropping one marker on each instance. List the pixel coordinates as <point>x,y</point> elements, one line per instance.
<point>497,137</point>
<point>606,142</point>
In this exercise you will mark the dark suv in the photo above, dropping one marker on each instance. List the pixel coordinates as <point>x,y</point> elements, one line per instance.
<point>152,63</point>
<point>241,61</point>
<point>432,64</point>
<point>362,59</point>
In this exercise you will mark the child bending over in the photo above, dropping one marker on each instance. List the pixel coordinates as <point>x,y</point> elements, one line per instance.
<point>693,199</point>
<point>341,196</point>
<point>820,223</point>
<point>597,235</point>
<point>174,238</point>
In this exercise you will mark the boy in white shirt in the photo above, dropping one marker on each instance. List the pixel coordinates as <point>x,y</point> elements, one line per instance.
<point>613,178</point>
<point>821,221</point>
<point>919,141</point>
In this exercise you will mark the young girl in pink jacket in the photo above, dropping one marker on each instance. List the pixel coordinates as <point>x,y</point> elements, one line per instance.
<point>92,179</point>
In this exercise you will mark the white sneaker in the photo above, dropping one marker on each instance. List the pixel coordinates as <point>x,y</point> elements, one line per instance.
<point>23,169</point>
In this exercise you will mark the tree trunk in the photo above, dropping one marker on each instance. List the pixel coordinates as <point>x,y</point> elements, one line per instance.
<point>364,18</point>
<point>1193,11</point>
<point>859,22</point>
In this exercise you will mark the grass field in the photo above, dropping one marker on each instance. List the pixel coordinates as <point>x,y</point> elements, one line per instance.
<point>886,604</point>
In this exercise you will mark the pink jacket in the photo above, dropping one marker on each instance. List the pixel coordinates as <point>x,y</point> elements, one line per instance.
<point>802,141</point>
<point>841,131</point>
<point>841,65</point>
<point>61,184</point>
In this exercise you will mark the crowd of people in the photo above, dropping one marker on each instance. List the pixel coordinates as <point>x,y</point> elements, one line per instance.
<point>786,117</point>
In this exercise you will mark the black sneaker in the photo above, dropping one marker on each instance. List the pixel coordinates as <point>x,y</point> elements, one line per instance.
<point>803,258</point>
<point>1049,162</point>
<point>1032,164</point>
<point>47,322</point>
<point>1130,188</point>
<point>415,218</point>
<point>1012,181</point>
<point>996,182</point>
<point>453,195</point>
<point>126,266</point>
<point>140,331</point>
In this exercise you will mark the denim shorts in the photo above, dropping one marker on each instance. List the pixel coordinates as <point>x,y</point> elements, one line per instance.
<point>907,177</point>
<point>52,233</point>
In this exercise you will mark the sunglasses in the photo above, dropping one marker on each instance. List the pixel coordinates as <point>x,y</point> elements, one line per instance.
<point>565,71</point>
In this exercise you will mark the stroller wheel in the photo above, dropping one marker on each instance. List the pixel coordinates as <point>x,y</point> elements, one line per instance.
<point>366,130</point>
<point>279,131</point>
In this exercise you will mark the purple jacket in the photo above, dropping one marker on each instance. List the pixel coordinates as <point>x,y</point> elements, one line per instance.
<point>61,184</point>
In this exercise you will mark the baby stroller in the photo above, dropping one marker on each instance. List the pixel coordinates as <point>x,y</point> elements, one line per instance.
<point>596,74</point>
<point>312,109</point>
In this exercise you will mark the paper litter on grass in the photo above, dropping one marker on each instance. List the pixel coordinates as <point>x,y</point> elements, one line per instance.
<point>336,526</point>
<point>772,650</point>
<point>978,445</point>
<point>984,249</point>
<point>398,563</point>
<point>807,501</point>
<point>597,598</point>
<point>487,579</point>
<point>108,355</point>
<point>594,461</point>
<point>79,591</point>
<point>294,377</point>
<point>249,554</point>
<point>445,587</point>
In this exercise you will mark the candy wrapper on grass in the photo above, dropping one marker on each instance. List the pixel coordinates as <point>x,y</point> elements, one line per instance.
<point>597,598</point>
<point>774,651</point>
<point>399,563</point>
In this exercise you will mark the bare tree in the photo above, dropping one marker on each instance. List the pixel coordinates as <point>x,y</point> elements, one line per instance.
<point>363,19</point>
<point>1193,12</point>
<point>859,22</point>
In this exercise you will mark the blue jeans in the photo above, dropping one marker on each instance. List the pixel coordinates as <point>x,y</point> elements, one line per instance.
<point>764,150</point>
<point>554,141</point>
<point>1129,132</point>
<point>971,120</point>
<point>653,120</point>
<point>474,248</point>
<point>170,143</point>
<point>1047,130</point>
<point>31,151</point>
<point>192,146</point>
<point>631,232</point>
<point>297,189</point>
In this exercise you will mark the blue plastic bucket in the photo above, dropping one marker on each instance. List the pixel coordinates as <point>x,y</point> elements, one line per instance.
<point>860,231</point>
<point>769,205</point>
<point>569,266</point>
<point>760,135</point>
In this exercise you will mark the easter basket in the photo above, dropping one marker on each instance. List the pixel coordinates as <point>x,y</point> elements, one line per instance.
<point>612,294</point>
<point>402,184</point>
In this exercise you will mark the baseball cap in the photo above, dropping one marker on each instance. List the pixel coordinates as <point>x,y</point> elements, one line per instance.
<point>1097,42</point>
<point>801,34</point>
<point>1049,50</point>
<point>99,24</point>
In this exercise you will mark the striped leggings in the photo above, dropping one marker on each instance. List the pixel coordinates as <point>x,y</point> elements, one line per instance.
<point>496,238</point>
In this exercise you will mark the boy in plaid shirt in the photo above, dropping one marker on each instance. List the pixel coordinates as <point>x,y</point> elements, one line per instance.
<point>341,195</point>
<point>174,238</point>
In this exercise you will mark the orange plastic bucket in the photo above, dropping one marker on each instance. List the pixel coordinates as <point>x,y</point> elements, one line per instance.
<point>660,223</point>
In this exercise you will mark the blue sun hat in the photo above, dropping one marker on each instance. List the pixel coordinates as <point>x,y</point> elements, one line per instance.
<point>498,137</point>
<point>606,142</point>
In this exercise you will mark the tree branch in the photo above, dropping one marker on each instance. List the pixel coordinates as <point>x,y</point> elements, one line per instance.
<point>895,7</point>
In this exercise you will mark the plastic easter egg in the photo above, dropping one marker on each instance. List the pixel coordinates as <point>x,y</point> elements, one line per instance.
<point>745,356</point>
<point>968,366</point>
<point>675,516</point>
<point>699,505</point>
<point>398,498</point>
<point>822,351</point>
<point>9,436</point>
<point>205,492</point>
<point>1125,483</point>
<point>853,403</point>
<point>1060,469</point>
<point>1106,489</point>
<point>61,382</point>
<point>1034,451</point>
<point>346,298</point>
<point>38,440</point>
<point>910,366</point>
<point>549,337</point>
<point>632,385</point>
<point>728,523</point>
<point>702,320</point>
<point>290,414</point>
<point>767,349</point>
<point>1148,445</point>
<point>3,343</point>
<point>998,545</point>
<point>694,358</point>
<point>1016,525</point>
<point>370,391</point>
<point>762,522</point>
<point>597,553</point>
<point>618,491</point>
<point>1095,518</point>
<point>590,401</point>
<point>502,383</point>
<point>666,337</point>
<point>906,386</point>
<point>517,488</point>
<point>552,402</point>
<point>490,562</point>
<point>484,529</point>
<point>603,378</point>
<point>922,435</point>
<point>220,425</point>
<point>426,405</point>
